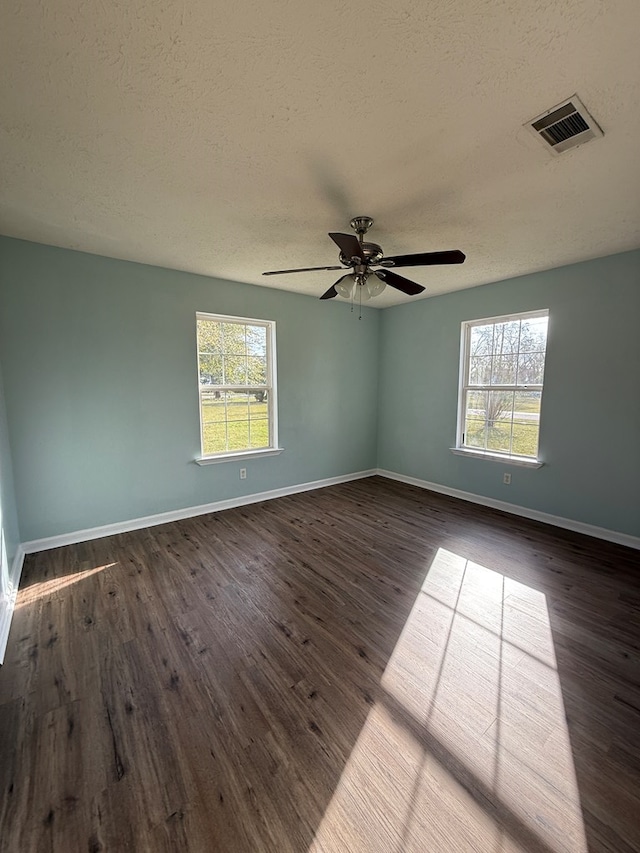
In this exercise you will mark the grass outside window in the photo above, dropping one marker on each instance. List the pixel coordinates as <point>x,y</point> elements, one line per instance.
<point>236,384</point>
<point>502,372</point>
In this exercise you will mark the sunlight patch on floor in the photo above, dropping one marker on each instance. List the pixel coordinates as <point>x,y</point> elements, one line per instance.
<point>467,748</point>
<point>32,593</point>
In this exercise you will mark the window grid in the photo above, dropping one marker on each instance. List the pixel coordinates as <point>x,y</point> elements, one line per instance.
<point>502,431</point>
<point>237,425</point>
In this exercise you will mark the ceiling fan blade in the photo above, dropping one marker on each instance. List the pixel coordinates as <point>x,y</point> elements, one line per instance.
<point>304,269</point>
<point>332,290</point>
<point>349,245</point>
<point>331,293</point>
<point>400,282</point>
<point>424,259</point>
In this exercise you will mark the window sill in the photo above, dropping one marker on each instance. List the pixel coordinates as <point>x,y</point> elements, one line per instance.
<point>498,457</point>
<point>244,454</point>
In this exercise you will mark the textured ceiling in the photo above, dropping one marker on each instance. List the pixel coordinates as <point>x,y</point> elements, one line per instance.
<point>228,139</point>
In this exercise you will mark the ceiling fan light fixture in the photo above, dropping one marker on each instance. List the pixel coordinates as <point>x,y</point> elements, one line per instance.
<point>345,287</point>
<point>375,286</point>
<point>363,294</point>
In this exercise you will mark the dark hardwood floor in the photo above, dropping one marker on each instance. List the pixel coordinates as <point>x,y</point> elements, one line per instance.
<point>367,668</point>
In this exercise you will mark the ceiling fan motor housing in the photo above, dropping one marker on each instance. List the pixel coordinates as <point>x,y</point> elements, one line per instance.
<point>371,251</point>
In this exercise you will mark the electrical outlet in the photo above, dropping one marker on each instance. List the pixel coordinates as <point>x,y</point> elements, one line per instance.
<point>506,479</point>
<point>243,473</point>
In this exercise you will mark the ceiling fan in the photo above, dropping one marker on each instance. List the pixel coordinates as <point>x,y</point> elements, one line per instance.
<point>359,257</point>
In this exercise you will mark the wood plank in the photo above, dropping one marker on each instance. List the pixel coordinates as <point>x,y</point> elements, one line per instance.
<point>368,668</point>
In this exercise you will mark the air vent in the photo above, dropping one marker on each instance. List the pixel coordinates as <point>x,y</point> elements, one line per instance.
<point>565,126</point>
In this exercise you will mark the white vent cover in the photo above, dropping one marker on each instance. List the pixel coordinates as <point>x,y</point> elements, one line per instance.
<point>565,126</point>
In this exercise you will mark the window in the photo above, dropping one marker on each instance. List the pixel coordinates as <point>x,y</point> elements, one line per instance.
<point>236,369</point>
<point>502,370</point>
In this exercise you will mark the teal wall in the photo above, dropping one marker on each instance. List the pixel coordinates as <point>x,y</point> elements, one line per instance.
<point>101,388</point>
<point>9,531</point>
<point>590,422</point>
<point>98,357</point>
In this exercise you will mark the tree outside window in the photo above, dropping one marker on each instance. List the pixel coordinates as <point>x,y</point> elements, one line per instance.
<point>235,369</point>
<point>501,384</point>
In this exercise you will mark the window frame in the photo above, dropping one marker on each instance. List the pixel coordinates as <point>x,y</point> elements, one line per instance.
<point>270,386</point>
<point>464,386</point>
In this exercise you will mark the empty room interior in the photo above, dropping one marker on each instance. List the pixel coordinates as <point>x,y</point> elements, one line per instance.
<point>320,427</point>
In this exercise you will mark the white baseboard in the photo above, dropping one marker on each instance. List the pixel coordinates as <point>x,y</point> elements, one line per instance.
<point>87,534</point>
<point>8,605</point>
<point>514,509</point>
<point>8,602</point>
<point>76,536</point>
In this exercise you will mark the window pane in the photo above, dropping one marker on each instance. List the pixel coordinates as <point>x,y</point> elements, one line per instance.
<point>475,433</point>
<point>235,370</point>
<point>210,369</point>
<point>258,406</point>
<point>499,414</point>
<point>499,407</point>
<point>480,370</point>
<point>257,341</point>
<point>489,416</point>
<point>530,368</point>
<point>213,407</point>
<point>237,406</point>
<point>209,336</point>
<point>475,419</point>
<point>476,403</point>
<point>504,369</point>
<point>257,370</point>
<point>499,438</point>
<point>214,438</point>
<point>238,435</point>
<point>527,407</point>
<point>481,340</point>
<point>235,338</point>
<point>506,337</point>
<point>259,433</point>
<point>525,439</point>
<point>534,335</point>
